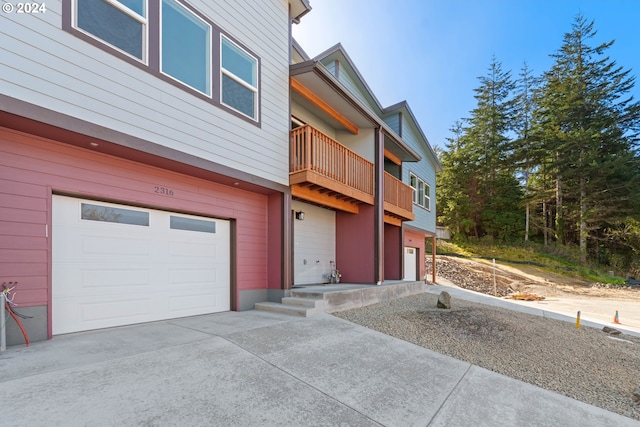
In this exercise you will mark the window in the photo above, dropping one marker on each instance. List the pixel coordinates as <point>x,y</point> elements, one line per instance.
<point>186,47</point>
<point>421,191</point>
<point>122,24</point>
<point>413,182</point>
<point>101,213</point>
<point>427,196</point>
<point>239,78</point>
<point>191,224</point>
<point>174,42</point>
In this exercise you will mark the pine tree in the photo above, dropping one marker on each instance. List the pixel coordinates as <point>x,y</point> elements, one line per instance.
<point>585,108</point>
<point>497,193</point>
<point>527,151</point>
<point>452,198</point>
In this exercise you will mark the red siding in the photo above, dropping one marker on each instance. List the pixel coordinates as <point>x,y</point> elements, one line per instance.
<point>355,245</point>
<point>416,240</point>
<point>393,252</point>
<point>31,168</point>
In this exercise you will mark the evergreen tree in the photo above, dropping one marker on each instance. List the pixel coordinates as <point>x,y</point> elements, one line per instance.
<point>586,107</point>
<point>527,150</point>
<point>496,197</point>
<point>452,198</point>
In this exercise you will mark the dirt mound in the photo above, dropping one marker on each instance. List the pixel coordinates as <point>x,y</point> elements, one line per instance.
<point>478,275</point>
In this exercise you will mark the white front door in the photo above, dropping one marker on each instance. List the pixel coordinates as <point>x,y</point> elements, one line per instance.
<point>410,259</point>
<point>314,244</point>
<point>116,265</point>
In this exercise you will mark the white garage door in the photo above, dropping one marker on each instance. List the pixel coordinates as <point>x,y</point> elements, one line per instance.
<point>117,265</point>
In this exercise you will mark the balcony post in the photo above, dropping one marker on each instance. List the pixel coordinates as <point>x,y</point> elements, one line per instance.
<point>378,191</point>
<point>307,147</point>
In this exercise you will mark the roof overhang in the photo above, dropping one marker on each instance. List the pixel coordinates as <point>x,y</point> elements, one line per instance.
<point>298,8</point>
<point>318,80</point>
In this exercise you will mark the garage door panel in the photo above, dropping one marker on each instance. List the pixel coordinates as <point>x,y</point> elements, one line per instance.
<point>76,280</point>
<point>192,250</point>
<point>92,315</point>
<point>195,276</point>
<point>117,246</point>
<point>109,274</point>
<point>84,246</point>
<point>121,280</point>
<point>194,304</point>
<point>126,309</point>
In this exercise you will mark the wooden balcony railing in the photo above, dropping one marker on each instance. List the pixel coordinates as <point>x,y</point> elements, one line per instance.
<point>312,150</point>
<point>326,172</point>
<point>398,198</point>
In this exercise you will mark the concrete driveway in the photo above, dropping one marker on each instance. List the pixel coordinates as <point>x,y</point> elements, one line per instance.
<point>258,368</point>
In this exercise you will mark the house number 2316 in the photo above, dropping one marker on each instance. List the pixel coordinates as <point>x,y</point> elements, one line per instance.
<point>163,190</point>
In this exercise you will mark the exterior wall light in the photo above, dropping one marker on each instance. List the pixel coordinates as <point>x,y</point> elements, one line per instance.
<point>300,215</point>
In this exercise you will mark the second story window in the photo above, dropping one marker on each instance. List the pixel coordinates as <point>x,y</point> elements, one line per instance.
<point>122,24</point>
<point>186,47</point>
<point>239,78</point>
<point>173,41</point>
<point>421,192</point>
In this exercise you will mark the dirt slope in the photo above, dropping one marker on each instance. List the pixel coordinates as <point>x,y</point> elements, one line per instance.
<point>478,275</point>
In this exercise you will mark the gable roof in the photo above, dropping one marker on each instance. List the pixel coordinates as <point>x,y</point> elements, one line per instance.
<point>315,76</point>
<point>295,46</point>
<point>338,53</point>
<point>403,107</point>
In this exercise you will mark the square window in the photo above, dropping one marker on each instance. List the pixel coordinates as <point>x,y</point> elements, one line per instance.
<point>186,47</point>
<point>239,79</point>
<point>119,24</point>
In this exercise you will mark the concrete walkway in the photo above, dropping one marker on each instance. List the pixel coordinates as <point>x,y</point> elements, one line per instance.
<point>265,369</point>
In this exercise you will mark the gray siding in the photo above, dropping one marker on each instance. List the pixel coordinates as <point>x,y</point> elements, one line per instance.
<point>351,83</point>
<point>425,169</point>
<point>393,121</point>
<point>48,67</point>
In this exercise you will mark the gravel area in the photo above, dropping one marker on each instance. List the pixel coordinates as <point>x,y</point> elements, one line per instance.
<point>586,364</point>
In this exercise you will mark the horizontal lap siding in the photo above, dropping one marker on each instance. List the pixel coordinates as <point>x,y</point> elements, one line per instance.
<point>31,166</point>
<point>46,66</point>
<point>425,169</point>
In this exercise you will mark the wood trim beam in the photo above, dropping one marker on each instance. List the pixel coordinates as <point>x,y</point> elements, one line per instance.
<point>318,102</point>
<point>395,159</point>
<point>316,197</point>
<point>329,185</point>
<point>392,220</point>
<point>398,211</point>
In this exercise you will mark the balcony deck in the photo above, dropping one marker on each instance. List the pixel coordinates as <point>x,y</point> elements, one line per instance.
<point>325,172</point>
<point>398,200</point>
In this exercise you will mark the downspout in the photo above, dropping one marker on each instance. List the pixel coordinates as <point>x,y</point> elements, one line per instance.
<point>287,232</point>
<point>379,207</point>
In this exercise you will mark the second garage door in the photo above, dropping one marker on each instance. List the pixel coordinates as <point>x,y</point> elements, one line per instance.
<point>116,265</point>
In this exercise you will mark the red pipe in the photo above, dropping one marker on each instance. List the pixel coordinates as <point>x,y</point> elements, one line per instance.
<point>24,333</point>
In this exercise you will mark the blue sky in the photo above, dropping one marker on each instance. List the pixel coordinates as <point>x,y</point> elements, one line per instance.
<point>431,52</point>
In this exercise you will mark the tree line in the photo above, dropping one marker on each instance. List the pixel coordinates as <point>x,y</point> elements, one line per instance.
<point>551,158</point>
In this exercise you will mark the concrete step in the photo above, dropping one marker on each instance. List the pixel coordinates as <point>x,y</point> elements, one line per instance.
<point>295,310</point>
<point>307,294</point>
<point>306,302</point>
